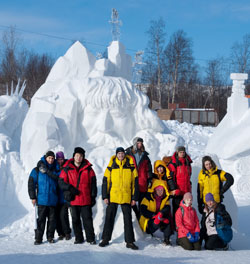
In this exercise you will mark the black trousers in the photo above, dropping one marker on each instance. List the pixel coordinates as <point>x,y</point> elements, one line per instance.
<point>84,212</point>
<point>111,211</point>
<point>186,244</point>
<point>62,219</point>
<point>214,242</point>
<point>45,212</point>
<point>175,203</point>
<point>165,228</point>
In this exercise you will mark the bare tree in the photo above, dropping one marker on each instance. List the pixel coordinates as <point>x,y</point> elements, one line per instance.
<point>152,72</point>
<point>178,58</point>
<point>240,55</point>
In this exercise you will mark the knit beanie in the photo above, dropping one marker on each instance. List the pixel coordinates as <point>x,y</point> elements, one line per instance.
<point>188,196</point>
<point>181,148</point>
<point>209,197</point>
<point>119,149</point>
<point>59,155</point>
<point>49,154</point>
<point>79,150</point>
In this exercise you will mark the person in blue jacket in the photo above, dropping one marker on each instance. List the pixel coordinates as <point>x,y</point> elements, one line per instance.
<point>42,189</point>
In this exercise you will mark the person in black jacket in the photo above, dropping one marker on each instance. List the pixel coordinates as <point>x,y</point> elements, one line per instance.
<point>215,225</point>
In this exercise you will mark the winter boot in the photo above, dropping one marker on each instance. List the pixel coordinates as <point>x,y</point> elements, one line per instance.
<point>68,236</point>
<point>103,243</point>
<point>132,246</point>
<point>37,242</point>
<point>51,240</point>
<point>166,242</point>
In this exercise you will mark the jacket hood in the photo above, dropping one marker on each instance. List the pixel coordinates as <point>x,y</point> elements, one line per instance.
<point>70,163</point>
<point>156,183</point>
<point>159,163</point>
<point>53,165</point>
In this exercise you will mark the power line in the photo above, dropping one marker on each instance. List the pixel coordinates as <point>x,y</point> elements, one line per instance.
<point>84,41</point>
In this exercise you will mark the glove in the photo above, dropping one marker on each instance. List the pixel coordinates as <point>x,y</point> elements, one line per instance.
<point>177,192</point>
<point>157,218</point>
<point>196,236</point>
<point>190,237</point>
<point>42,168</point>
<point>73,190</point>
<point>93,201</point>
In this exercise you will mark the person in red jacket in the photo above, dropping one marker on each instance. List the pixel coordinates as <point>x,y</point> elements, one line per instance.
<point>180,170</point>
<point>144,169</point>
<point>187,224</point>
<point>85,194</point>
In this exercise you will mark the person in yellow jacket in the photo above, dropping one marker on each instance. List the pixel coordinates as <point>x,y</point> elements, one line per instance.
<point>155,210</point>
<point>212,180</point>
<point>119,187</point>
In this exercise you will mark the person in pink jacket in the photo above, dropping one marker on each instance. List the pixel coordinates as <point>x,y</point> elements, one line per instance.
<point>187,224</point>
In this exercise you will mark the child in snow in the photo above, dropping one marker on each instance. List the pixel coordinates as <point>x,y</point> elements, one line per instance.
<point>155,210</point>
<point>187,224</point>
<point>215,225</point>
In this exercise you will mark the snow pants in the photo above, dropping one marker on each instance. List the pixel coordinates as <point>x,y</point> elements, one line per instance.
<point>213,242</point>
<point>62,219</point>
<point>45,212</point>
<point>111,211</point>
<point>186,244</point>
<point>136,208</point>
<point>84,212</point>
<point>165,228</point>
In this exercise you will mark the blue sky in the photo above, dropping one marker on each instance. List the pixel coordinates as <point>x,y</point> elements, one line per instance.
<point>213,25</point>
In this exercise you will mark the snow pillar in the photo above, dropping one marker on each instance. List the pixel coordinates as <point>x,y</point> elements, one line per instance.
<point>237,103</point>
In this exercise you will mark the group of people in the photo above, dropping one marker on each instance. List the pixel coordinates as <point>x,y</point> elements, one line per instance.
<point>56,184</point>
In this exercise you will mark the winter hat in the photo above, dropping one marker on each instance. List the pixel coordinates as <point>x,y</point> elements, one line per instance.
<point>49,154</point>
<point>159,187</point>
<point>188,196</point>
<point>209,197</point>
<point>181,148</point>
<point>59,155</point>
<point>79,150</point>
<point>119,149</point>
<point>135,140</point>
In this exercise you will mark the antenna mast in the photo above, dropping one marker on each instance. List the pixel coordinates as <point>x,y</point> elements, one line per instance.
<point>116,23</point>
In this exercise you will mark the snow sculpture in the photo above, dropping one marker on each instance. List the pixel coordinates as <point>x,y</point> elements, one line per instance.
<point>92,104</point>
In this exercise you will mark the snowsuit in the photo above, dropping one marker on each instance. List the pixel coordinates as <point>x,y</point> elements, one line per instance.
<point>81,206</point>
<point>144,169</point>
<point>149,209</point>
<point>212,182</point>
<point>43,188</point>
<point>187,222</point>
<point>181,170</point>
<point>120,186</point>
<point>210,227</point>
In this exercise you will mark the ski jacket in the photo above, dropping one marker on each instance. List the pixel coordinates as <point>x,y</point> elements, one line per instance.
<point>165,177</point>
<point>144,169</point>
<point>120,181</point>
<point>186,220</point>
<point>43,186</point>
<point>87,185</point>
<point>181,171</point>
<point>148,205</point>
<point>222,222</point>
<point>212,182</point>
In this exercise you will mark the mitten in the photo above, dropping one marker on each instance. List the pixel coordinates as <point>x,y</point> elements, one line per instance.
<point>157,218</point>
<point>190,237</point>
<point>73,190</point>
<point>196,236</point>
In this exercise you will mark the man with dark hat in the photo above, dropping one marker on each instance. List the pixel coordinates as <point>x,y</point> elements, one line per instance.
<point>144,169</point>
<point>119,187</point>
<point>42,188</point>
<point>78,178</point>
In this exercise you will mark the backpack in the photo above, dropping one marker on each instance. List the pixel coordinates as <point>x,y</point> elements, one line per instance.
<point>223,226</point>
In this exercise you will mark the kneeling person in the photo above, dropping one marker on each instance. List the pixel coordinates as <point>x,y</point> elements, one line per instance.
<point>187,224</point>
<point>155,210</point>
